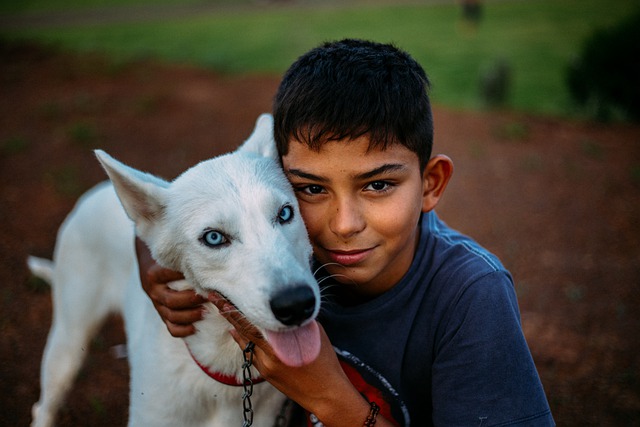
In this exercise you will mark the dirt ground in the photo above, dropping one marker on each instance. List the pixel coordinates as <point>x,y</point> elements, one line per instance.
<point>558,201</point>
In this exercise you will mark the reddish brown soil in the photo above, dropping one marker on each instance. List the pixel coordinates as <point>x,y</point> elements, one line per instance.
<point>558,201</point>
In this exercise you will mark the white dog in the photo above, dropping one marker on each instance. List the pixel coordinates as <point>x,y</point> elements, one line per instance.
<point>230,224</point>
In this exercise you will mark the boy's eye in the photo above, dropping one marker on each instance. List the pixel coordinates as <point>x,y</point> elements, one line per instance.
<point>378,186</point>
<point>313,189</point>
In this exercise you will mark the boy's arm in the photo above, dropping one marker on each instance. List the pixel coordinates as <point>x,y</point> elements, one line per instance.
<point>483,360</point>
<point>178,309</point>
<point>321,387</point>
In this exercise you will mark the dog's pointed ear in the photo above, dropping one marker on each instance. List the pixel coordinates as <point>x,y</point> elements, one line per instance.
<point>142,195</point>
<point>261,140</point>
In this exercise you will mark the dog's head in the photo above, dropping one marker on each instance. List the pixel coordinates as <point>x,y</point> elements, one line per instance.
<point>232,225</point>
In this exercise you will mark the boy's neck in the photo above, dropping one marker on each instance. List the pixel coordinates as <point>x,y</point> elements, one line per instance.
<point>347,297</point>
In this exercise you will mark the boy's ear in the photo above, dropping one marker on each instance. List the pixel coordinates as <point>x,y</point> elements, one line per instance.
<point>435,178</point>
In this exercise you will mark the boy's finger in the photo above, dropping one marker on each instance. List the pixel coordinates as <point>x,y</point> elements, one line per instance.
<point>236,318</point>
<point>177,300</point>
<point>180,317</point>
<point>180,331</point>
<point>218,300</point>
<point>238,338</point>
<point>158,274</point>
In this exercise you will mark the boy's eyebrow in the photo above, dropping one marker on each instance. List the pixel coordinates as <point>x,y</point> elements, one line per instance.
<point>305,175</point>
<point>386,168</point>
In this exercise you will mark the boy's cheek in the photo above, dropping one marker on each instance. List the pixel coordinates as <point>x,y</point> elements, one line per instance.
<point>310,216</point>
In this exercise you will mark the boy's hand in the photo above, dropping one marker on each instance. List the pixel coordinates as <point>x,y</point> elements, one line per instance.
<point>321,387</point>
<point>178,309</point>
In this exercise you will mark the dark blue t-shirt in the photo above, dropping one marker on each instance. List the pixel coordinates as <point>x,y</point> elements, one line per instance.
<point>443,347</point>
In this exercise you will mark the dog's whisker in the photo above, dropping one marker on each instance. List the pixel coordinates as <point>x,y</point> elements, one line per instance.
<point>325,265</point>
<point>343,276</point>
<point>324,294</point>
<point>325,291</point>
<point>324,279</point>
<point>236,310</point>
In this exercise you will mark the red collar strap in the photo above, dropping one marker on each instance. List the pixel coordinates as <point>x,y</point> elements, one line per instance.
<point>222,378</point>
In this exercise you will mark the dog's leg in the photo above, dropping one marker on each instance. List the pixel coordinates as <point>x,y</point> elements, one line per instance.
<point>93,258</point>
<point>80,306</point>
<point>64,353</point>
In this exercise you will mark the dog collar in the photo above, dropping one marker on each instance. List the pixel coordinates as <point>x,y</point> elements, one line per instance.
<point>225,379</point>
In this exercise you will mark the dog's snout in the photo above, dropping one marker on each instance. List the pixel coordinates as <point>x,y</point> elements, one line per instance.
<point>293,306</point>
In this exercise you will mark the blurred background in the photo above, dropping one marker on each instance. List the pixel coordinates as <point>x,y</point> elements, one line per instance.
<point>536,101</point>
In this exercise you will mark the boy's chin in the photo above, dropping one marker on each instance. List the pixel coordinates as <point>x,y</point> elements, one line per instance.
<point>353,278</point>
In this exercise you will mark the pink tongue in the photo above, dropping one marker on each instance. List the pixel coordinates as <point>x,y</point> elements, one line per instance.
<point>297,347</point>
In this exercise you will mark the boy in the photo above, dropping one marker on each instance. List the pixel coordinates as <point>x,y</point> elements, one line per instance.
<point>416,317</point>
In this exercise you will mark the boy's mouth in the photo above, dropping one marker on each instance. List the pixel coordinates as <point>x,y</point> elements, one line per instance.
<point>348,257</point>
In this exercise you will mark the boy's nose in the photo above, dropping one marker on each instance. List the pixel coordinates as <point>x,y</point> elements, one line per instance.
<point>347,219</point>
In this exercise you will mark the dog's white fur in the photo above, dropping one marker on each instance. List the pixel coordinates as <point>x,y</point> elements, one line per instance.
<point>94,273</point>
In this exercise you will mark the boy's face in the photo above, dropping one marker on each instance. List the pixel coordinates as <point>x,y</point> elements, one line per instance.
<point>361,208</point>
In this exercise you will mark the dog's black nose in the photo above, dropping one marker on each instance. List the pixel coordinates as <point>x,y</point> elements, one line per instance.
<point>293,306</point>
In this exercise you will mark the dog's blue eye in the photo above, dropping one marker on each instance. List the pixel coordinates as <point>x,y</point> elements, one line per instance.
<point>285,215</point>
<point>213,238</point>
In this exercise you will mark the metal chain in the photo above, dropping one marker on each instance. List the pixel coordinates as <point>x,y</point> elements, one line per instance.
<point>247,385</point>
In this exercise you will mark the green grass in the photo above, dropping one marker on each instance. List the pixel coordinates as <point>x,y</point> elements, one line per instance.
<point>537,38</point>
<point>30,6</point>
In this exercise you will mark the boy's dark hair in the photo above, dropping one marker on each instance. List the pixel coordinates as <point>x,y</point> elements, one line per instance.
<point>351,88</point>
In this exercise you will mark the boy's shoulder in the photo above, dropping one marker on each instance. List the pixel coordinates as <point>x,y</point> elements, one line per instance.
<point>445,245</point>
<point>449,263</point>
